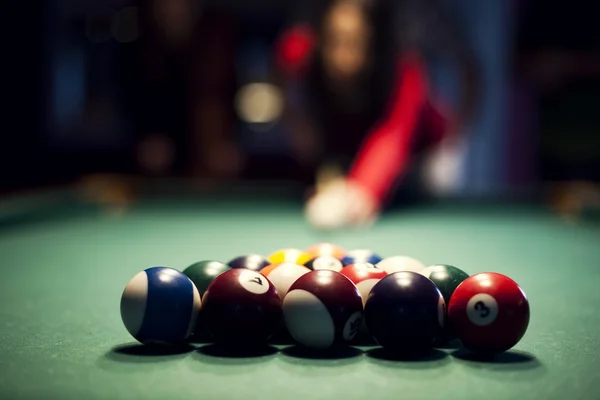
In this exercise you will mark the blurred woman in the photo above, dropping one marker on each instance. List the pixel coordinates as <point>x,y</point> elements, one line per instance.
<point>361,101</point>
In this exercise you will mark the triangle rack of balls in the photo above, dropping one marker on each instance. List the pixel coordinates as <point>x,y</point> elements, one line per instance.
<point>325,297</point>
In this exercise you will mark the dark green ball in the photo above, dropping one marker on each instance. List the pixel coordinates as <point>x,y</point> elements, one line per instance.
<point>446,278</point>
<point>202,273</point>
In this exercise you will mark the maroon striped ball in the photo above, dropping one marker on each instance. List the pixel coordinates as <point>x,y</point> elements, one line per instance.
<point>323,309</point>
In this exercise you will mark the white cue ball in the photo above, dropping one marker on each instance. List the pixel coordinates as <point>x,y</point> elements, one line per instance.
<point>401,263</point>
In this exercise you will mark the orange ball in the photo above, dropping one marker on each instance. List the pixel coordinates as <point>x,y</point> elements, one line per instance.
<point>326,249</point>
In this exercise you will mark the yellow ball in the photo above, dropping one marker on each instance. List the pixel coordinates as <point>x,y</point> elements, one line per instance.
<point>295,256</point>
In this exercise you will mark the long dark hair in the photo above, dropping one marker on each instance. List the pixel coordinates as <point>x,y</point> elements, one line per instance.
<point>344,118</point>
<point>383,47</point>
<point>400,26</point>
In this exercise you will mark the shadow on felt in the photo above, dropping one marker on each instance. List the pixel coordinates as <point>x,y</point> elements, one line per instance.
<point>301,356</point>
<point>336,353</point>
<point>516,359</point>
<point>449,345</point>
<point>426,355</point>
<point>527,366</point>
<point>243,351</point>
<point>139,353</point>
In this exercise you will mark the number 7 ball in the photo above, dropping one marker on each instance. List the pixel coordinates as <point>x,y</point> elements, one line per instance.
<point>241,308</point>
<point>489,313</point>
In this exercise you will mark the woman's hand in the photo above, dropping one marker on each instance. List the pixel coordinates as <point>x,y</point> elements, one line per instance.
<point>341,203</point>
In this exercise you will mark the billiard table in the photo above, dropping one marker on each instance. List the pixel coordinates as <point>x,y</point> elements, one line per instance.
<point>66,259</point>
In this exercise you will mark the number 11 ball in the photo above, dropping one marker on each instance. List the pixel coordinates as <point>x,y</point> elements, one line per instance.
<point>489,312</point>
<point>322,310</point>
<point>159,306</point>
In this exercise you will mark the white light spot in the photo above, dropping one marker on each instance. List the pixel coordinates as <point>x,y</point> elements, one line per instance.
<point>441,312</point>
<point>259,103</point>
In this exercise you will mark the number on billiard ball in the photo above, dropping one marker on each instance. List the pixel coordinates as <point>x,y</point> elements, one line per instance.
<point>489,312</point>
<point>241,307</point>
<point>325,262</point>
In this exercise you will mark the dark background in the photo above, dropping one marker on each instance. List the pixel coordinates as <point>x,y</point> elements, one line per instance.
<point>63,94</point>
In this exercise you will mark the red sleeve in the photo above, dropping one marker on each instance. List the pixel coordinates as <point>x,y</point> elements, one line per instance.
<point>385,154</point>
<point>293,50</point>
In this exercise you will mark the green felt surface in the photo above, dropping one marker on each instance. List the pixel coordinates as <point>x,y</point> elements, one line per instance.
<point>62,279</point>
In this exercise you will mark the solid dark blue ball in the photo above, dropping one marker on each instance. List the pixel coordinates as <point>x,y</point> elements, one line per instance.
<point>405,312</point>
<point>255,262</point>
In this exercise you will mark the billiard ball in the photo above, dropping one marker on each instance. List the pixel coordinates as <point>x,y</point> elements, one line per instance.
<point>159,306</point>
<point>255,262</point>
<point>202,273</point>
<point>283,275</point>
<point>241,307</point>
<point>326,249</point>
<point>364,276</point>
<point>325,262</point>
<point>322,310</point>
<point>446,278</point>
<point>361,256</point>
<point>489,312</point>
<point>295,256</point>
<point>401,263</point>
<point>405,312</point>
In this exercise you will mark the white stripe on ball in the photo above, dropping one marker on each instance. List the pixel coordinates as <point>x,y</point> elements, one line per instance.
<point>133,303</point>
<point>285,275</point>
<point>364,288</point>
<point>308,319</point>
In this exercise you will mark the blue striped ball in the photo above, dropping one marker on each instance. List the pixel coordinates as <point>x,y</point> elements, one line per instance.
<point>361,256</point>
<point>160,305</point>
